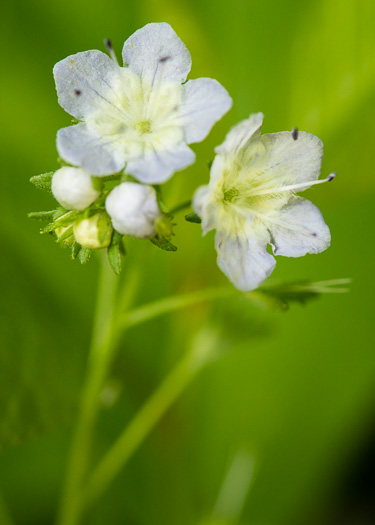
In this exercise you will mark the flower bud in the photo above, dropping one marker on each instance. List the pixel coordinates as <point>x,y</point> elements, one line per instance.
<point>73,189</point>
<point>95,232</point>
<point>133,209</point>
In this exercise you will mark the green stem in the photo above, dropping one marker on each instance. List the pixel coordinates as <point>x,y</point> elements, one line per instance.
<point>99,358</point>
<point>134,434</point>
<point>172,303</point>
<point>180,207</point>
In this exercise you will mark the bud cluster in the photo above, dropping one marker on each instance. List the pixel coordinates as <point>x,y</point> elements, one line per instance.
<point>96,213</point>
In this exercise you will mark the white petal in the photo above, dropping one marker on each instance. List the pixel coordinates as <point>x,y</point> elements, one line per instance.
<point>156,53</point>
<point>290,161</point>
<point>240,134</point>
<point>84,81</point>
<point>300,229</point>
<point>157,166</point>
<point>206,101</point>
<point>73,189</point>
<point>133,209</point>
<point>78,146</point>
<point>244,258</point>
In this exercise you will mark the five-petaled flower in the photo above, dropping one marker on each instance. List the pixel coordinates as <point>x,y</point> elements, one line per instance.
<point>251,202</point>
<point>139,116</point>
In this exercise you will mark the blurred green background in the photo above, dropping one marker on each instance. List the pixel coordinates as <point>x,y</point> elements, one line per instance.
<point>296,394</point>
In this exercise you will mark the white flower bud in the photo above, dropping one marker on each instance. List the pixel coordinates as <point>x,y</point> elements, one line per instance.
<point>73,189</point>
<point>95,232</point>
<point>133,209</point>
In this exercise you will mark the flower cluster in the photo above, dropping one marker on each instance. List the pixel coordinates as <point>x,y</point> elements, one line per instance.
<point>132,128</point>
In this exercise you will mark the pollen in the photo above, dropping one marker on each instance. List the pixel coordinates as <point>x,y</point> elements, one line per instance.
<point>144,126</point>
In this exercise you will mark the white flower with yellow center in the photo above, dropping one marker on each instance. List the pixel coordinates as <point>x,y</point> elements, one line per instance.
<point>141,115</point>
<point>251,202</point>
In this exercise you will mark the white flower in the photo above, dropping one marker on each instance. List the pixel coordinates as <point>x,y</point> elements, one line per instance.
<point>251,201</point>
<point>73,189</point>
<point>133,209</point>
<point>138,115</point>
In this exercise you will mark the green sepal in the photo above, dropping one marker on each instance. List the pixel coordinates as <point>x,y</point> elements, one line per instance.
<point>104,227</point>
<point>97,183</point>
<point>43,182</point>
<point>193,217</point>
<point>163,244</point>
<point>84,255</point>
<point>63,221</point>
<point>59,212</point>
<point>68,233</point>
<point>114,257</point>
<point>42,215</point>
<point>118,238</point>
<point>76,248</point>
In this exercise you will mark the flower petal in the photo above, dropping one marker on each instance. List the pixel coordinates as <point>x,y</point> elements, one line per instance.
<point>84,81</point>
<point>78,146</point>
<point>244,258</point>
<point>206,101</point>
<point>288,161</point>
<point>239,135</point>
<point>157,166</point>
<point>156,53</point>
<point>300,229</point>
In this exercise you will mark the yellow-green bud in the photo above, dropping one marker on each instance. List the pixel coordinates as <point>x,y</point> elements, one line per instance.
<point>95,232</point>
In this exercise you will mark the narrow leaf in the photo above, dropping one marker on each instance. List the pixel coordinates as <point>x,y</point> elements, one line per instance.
<point>42,215</point>
<point>193,217</point>
<point>164,244</point>
<point>76,248</point>
<point>43,182</point>
<point>84,255</point>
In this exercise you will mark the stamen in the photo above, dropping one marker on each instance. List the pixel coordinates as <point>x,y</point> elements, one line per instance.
<point>293,187</point>
<point>108,45</point>
<point>77,92</point>
<point>295,133</point>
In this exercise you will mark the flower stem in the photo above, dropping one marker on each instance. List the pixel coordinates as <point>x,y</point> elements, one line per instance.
<point>180,207</point>
<point>172,303</point>
<point>102,346</point>
<point>200,353</point>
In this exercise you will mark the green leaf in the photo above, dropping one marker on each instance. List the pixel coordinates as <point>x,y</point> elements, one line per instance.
<point>282,294</point>
<point>43,182</point>
<point>164,244</point>
<point>76,248</point>
<point>193,217</point>
<point>84,255</point>
<point>42,215</point>
<point>114,257</point>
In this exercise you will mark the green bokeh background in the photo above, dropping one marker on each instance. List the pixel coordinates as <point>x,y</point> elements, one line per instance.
<point>297,391</point>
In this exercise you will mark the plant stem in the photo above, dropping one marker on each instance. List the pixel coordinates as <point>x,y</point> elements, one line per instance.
<point>180,207</point>
<point>157,405</point>
<point>99,358</point>
<point>172,303</point>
